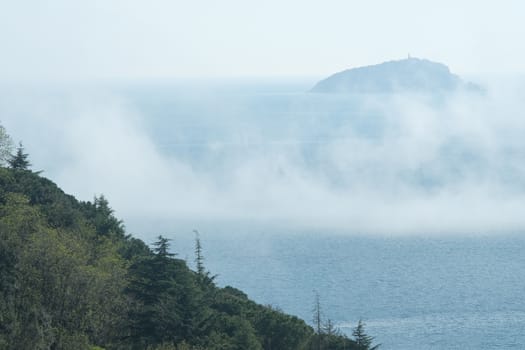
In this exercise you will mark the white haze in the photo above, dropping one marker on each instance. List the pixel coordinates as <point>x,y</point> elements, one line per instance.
<point>448,165</point>
<point>69,40</point>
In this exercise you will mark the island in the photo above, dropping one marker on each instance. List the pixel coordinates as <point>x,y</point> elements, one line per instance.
<point>406,75</point>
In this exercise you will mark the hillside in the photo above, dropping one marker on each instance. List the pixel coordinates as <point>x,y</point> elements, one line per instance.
<point>407,75</point>
<point>71,278</point>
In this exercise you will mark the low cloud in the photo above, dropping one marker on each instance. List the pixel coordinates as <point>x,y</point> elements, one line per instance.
<point>361,164</point>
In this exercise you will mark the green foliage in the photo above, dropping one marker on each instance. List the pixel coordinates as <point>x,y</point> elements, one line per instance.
<point>204,277</point>
<point>199,259</point>
<point>6,146</point>
<point>157,283</point>
<point>70,278</point>
<point>162,248</point>
<point>101,216</point>
<point>327,335</point>
<point>19,160</point>
<point>363,340</point>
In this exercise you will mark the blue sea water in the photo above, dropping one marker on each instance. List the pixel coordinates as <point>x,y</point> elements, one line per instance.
<point>412,292</point>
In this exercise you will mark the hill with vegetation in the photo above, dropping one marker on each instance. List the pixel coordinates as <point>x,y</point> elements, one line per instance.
<point>71,278</point>
<point>407,75</point>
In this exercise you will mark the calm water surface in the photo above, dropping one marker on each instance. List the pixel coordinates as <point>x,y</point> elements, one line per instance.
<point>413,293</point>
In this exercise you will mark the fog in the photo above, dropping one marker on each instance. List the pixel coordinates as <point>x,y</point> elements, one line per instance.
<point>172,157</point>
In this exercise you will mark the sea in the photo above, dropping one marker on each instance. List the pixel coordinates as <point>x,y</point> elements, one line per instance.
<point>447,292</point>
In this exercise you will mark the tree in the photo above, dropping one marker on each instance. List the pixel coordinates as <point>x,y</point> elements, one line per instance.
<point>163,294</point>
<point>318,321</point>
<point>330,329</point>
<point>19,159</point>
<point>363,340</point>
<point>204,277</point>
<point>6,146</point>
<point>199,259</point>
<point>102,217</point>
<point>162,247</point>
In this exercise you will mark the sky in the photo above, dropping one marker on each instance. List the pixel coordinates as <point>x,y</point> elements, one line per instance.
<point>132,39</point>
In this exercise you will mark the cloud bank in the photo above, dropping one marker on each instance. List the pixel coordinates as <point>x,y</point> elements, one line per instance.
<point>392,164</point>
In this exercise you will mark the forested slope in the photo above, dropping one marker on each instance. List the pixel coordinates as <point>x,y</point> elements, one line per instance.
<point>71,278</point>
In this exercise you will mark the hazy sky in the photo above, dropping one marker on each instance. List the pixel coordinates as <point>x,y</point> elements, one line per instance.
<point>469,148</point>
<point>69,39</point>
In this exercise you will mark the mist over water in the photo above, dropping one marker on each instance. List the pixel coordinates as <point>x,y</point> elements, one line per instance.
<point>272,153</point>
<point>312,191</point>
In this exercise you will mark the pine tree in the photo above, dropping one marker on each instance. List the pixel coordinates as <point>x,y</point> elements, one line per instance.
<point>162,247</point>
<point>204,277</point>
<point>104,219</point>
<point>318,322</point>
<point>19,160</point>
<point>156,317</point>
<point>330,329</point>
<point>199,259</point>
<point>363,340</point>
